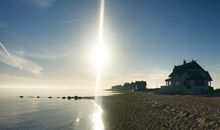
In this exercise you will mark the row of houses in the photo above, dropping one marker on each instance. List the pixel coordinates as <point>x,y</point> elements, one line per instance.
<point>188,78</point>
<point>133,86</point>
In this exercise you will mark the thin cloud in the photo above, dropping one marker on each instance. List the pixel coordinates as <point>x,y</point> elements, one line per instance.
<point>44,4</point>
<point>70,21</point>
<point>18,62</point>
<point>45,55</point>
<point>48,56</point>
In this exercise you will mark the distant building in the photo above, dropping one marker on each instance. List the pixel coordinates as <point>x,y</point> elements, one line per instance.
<point>188,78</point>
<point>127,87</point>
<point>117,87</point>
<point>140,85</point>
<point>134,86</point>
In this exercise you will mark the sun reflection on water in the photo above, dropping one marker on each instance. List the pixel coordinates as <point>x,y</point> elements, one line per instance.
<point>97,117</point>
<point>77,120</point>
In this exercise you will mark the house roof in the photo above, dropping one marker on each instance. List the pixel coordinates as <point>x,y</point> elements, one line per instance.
<point>140,82</point>
<point>181,69</point>
<point>208,75</point>
<point>168,79</point>
<point>198,78</point>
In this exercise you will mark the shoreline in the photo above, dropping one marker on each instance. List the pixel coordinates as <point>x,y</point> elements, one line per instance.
<point>141,110</point>
<point>138,110</point>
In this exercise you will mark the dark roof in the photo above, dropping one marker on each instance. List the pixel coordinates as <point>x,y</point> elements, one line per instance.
<point>208,75</point>
<point>168,79</point>
<point>181,69</point>
<point>140,82</point>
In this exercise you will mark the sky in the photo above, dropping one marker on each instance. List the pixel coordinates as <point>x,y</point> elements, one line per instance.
<point>49,43</point>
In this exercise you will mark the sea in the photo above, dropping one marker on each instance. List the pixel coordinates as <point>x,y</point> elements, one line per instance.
<point>31,113</point>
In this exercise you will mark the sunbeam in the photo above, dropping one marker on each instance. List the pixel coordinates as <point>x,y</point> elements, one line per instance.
<point>99,51</point>
<point>99,57</point>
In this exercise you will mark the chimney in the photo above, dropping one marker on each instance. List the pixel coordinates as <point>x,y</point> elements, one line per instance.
<point>184,61</point>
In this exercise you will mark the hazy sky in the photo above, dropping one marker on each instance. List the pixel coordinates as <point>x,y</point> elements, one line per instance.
<point>48,43</point>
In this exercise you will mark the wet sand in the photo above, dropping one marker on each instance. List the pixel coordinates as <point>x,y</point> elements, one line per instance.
<point>141,111</point>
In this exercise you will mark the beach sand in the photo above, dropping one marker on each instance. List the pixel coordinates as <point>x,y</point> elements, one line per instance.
<point>141,111</point>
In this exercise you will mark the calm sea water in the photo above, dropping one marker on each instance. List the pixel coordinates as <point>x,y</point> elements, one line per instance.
<point>49,114</point>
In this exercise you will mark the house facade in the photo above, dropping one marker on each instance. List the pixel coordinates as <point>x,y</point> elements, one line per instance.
<point>188,78</point>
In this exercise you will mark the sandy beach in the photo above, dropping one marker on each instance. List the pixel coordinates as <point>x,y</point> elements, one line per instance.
<point>140,111</point>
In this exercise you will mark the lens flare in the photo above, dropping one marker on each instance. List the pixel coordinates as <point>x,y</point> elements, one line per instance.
<point>100,54</point>
<point>99,57</point>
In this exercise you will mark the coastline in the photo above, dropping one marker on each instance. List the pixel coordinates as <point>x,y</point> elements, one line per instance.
<point>138,110</point>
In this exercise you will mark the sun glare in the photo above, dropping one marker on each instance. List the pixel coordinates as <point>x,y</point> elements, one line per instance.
<point>100,52</point>
<point>100,56</point>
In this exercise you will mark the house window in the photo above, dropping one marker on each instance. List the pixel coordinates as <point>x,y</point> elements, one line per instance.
<point>200,82</point>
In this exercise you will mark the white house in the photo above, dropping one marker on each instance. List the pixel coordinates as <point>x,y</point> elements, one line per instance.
<point>188,78</point>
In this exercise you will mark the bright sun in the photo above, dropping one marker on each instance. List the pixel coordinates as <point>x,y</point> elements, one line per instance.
<point>99,56</point>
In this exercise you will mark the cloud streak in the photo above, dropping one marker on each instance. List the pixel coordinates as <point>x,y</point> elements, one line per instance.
<point>75,20</point>
<point>18,62</point>
<point>42,55</point>
<point>44,4</point>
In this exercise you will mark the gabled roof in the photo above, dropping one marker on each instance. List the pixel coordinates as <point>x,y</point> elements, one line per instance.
<point>181,69</point>
<point>208,75</point>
